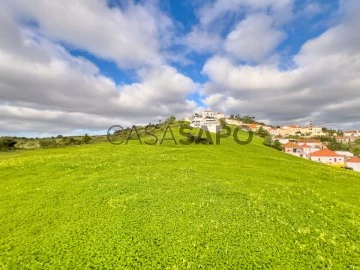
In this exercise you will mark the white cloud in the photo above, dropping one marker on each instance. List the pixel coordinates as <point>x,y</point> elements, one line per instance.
<point>44,86</point>
<point>324,86</point>
<point>200,40</point>
<point>46,89</point>
<point>254,38</point>
<point>131,36</point>
<point>280,9</point>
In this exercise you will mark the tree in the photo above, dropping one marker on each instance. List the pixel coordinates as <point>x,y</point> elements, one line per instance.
<point>277,145</point>
<point>170,120</point>
<point>248,119</point>
<point>7,144</point>
<point>337,146</point>
<point>222,121</point>
<point>86,138</point>
<point>231,116</point>
<point>274,144</point>
<point>356,151</point>
<point>262,132</point>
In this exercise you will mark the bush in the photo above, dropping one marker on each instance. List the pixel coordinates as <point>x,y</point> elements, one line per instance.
<point>72,141</point>
<point>47,143</point>
<point>262,132</point>
<point>274,144</point>
<point>356,151</point>
<point>7,144</point>
<point>170,120</point>
<point>86,138</point>
<point>222,121</point>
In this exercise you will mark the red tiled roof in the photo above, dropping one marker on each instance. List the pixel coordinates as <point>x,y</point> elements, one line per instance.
<point>252,125</point>
<point>291,145</point>
<point>309,141</point>
<point>304,146</point>
<point>324,153</point>
<point>354,160</point>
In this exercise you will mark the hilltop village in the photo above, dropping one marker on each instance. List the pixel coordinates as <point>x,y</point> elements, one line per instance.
<point>333,147</point>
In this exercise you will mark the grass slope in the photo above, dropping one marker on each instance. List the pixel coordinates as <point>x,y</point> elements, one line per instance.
<point>176,207</point>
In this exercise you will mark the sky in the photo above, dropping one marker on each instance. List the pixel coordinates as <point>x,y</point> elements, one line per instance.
<point>75,66</point>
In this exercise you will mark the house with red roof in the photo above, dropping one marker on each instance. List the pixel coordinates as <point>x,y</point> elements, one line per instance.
<point>310,142</point>
<point>307,150</point>
<point>298,150</point>
<point>328,157</point>
<point>292,148</point>
<point>354,163</point>
<point>345,139</point>
<point>253,127</point>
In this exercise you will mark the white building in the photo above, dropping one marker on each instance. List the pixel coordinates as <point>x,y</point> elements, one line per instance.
<point>310,142</point>
<point>354,163</point>
<point>345,139</point>
<point>206,121</point>
<point>273,132</point>
<point>352,133</point>
<point>328,157</point>
<point>283,141</point>
<point>345,154</point>
<point>208,114</point>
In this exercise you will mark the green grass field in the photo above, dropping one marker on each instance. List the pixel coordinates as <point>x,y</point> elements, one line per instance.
<point>135,206</point>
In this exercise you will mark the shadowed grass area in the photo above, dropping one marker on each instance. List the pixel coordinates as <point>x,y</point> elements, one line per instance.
<point>176,207</point>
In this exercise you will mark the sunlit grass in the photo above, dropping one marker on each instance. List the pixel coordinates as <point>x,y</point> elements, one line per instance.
<point>176,207</point>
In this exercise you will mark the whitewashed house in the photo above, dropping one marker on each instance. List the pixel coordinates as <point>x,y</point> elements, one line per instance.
<point>208,114</point>
<point>354,163</point>
<point>273,132</point>
<point>307,150</point>
<point>292,149</point>
<point>327,156</point>
<point>310,142</point>
<point>283,141</point>
<point>352,133</point>
<point>345,139</point>
<point>206,121</point>
<point>345,154</point>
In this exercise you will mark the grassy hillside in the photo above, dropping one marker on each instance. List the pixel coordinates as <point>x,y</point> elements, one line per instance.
<point>176,207</point>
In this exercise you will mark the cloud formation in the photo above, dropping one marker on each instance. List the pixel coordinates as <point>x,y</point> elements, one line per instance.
<point>45,88</point>
<point>323,86</point>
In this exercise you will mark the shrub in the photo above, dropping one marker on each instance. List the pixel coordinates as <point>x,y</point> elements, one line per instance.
<point>274,144</point>
<point>47,143</point>
<point>86,138</point>
<point>7,144</point>
<point>262,132</point>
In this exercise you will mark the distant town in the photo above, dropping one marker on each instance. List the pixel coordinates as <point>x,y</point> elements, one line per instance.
<point>320,144</point>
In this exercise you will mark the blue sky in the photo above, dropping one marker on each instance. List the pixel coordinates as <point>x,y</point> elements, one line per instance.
<point>71,66</point>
